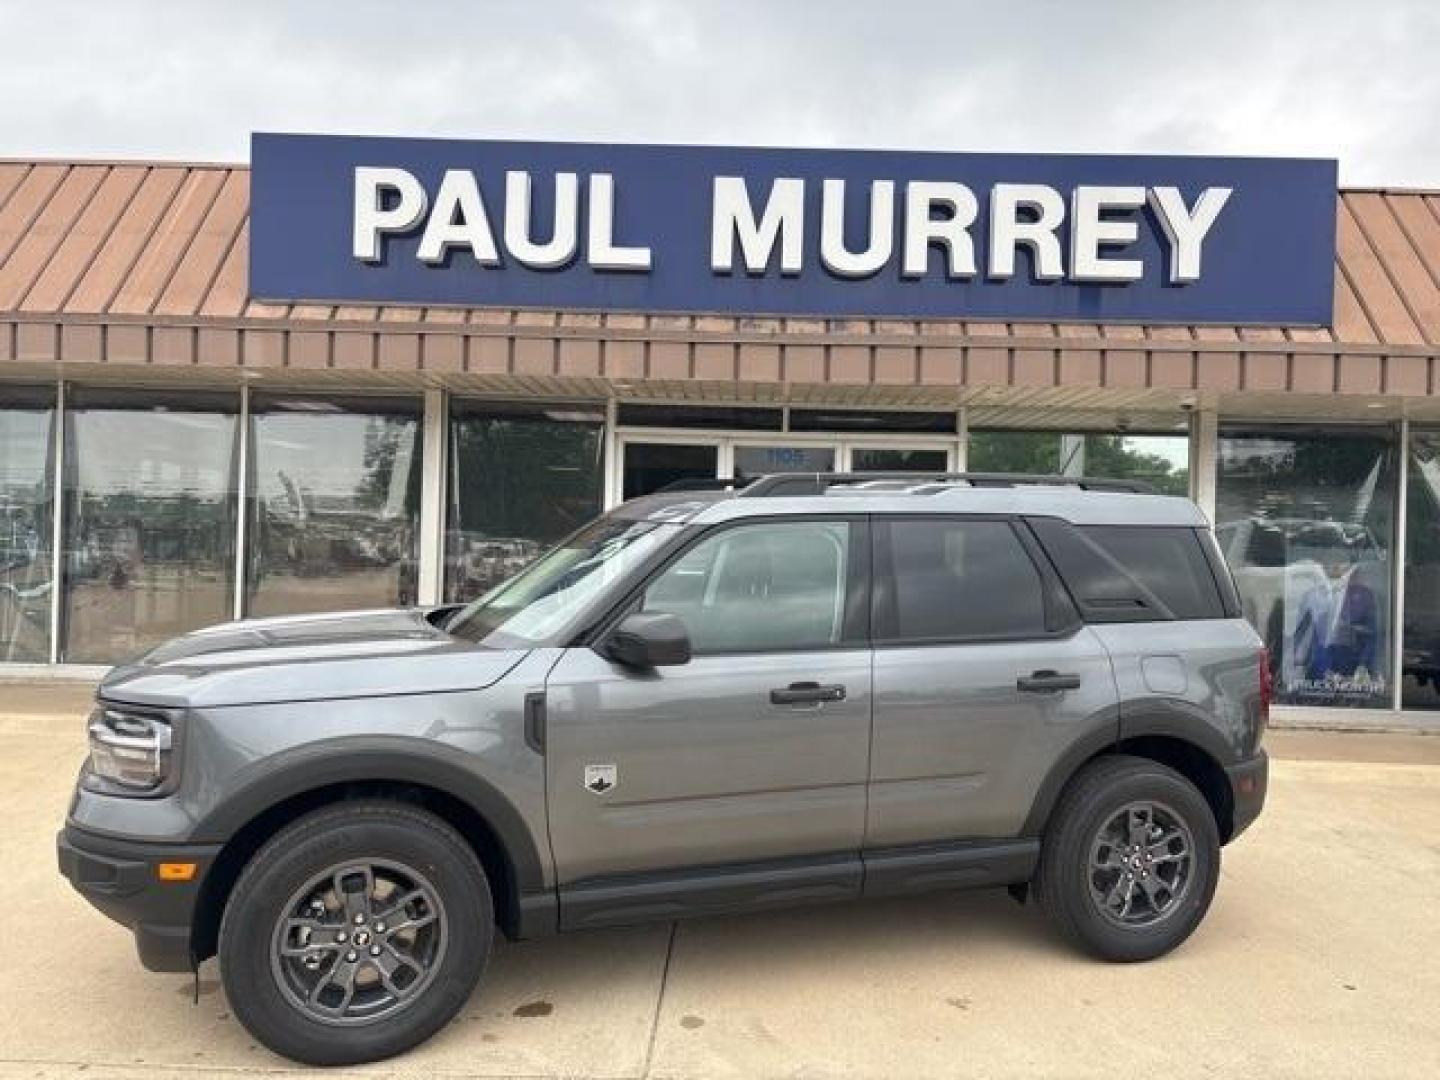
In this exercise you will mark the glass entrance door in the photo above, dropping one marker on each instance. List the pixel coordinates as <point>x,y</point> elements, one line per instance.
<point>649,466</point>
<point>864,459</point>
<point>649,461</point>
<point>752,461</point>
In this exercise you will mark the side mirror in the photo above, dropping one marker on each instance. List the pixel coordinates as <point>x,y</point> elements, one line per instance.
<point>649,639</point>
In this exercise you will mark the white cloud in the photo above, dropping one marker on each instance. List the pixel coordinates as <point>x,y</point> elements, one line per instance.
<point>191,80</point>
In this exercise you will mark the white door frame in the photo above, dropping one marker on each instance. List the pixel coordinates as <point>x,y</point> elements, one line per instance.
<point>726,440</point>
<point>615,463</point>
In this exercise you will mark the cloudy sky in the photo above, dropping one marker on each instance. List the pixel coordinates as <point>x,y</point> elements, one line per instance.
<point>1356,79</point>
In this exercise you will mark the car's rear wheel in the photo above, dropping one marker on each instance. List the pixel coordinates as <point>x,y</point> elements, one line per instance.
<point>1130,860</point>
<point>356,933</point>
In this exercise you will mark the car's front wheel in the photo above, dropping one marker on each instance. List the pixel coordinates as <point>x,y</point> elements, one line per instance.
<point>1130,860</point>
<point>356,933</point>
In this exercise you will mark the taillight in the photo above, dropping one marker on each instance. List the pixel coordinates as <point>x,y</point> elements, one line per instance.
<point>1267,688</point>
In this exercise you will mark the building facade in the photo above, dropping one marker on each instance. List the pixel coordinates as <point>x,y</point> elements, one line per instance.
<point>175,452</point>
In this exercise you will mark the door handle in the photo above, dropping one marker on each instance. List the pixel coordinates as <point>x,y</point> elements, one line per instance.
<point>807,693</point>
<point>1040,681</point>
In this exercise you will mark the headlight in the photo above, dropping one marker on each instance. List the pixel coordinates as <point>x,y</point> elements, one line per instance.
<point>129,751</point>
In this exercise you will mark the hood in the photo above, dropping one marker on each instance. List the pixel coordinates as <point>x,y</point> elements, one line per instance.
<point>307,658</point>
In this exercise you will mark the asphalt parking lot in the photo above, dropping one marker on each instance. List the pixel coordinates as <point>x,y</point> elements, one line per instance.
<point>1321,957</point>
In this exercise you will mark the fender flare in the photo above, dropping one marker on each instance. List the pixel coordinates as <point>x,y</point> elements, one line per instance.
<point>385,759</point>
<point>1176,720</point>
<point>1179,720</point>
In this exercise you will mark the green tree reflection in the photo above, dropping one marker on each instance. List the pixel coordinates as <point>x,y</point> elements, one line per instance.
<point>1113,457</point>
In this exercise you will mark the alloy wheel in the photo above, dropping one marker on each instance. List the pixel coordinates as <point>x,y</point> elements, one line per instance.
<point>1141,864</point>
<point>359,941</point>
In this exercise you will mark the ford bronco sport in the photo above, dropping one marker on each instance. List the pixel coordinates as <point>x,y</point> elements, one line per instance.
<point>812,688</point>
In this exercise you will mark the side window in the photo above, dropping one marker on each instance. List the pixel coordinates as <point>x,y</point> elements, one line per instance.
<point>1133,573</point>
<point>759,588</point>
<point>960,579</point>
<point>1167,561</point>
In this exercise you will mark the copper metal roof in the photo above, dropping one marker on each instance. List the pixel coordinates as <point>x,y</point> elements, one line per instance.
<point>146,263</point>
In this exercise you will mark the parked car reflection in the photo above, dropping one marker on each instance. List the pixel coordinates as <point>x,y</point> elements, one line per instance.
<point>477,562</point>
<point>25,583</point>
<point>335,518</point>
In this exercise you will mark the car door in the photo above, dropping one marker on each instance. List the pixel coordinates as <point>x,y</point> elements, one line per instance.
<point>754,751</point>
<point>984,677</point>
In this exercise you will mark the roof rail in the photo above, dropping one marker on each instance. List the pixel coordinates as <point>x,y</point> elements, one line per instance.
<point>776,485</point>
<point>698,483</point>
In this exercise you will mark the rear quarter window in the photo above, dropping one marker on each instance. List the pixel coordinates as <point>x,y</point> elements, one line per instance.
<point>1133,573</point>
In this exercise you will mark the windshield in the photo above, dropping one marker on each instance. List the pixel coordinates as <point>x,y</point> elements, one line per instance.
<point>541,600</point>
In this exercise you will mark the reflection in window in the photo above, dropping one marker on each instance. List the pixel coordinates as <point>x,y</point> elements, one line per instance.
<point>1306,521</point>
<point>757,588</point>
<point>335,508</point>
<point>1161,460</point>
<point>960,579</point>
<point>521,480</point>
<point>554,590</point>
<point>752,461</point>
<point>149,520</point>
<point>26,525</point>
<point>1421,687</point>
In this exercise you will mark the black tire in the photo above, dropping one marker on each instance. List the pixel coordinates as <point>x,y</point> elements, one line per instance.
<point>1099,797</point>
<point>392,838</point>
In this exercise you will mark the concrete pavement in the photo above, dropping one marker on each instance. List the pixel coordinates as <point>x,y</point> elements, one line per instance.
<point>1321,957</point>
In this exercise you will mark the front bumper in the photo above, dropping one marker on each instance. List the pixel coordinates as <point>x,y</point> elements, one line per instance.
<point>120,878</point>
<point>1248,783</point>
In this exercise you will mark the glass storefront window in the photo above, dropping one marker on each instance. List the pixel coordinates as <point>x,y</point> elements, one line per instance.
<point>1015,452</point>
<point>521,479</point>
<point>699,417</point>
<point>1420,688</point>
<point>334,515</point>
<point>27,422</point>
<point>1161,460</point>
<point>650,466</point>
<point>149,519</point>
<point>1305,518</point>
<point>752,461</point>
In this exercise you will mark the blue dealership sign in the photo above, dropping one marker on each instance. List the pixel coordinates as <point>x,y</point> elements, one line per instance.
<point>793,232</point>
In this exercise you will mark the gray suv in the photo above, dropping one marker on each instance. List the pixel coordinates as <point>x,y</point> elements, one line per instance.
<point>813,688</point>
